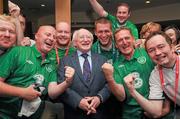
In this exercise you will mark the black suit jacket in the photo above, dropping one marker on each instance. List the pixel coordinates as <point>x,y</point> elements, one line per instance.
<point>81,88</point>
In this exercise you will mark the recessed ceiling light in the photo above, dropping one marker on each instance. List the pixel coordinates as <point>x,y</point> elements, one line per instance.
<point>42,5</point>
<point>148,1</point>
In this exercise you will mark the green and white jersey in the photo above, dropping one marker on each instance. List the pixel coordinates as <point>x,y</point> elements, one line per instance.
<point>128,24</point>
<point>61,53</point>
<point>111,54</point>
<point>141,66</point>
<point>21,67</point>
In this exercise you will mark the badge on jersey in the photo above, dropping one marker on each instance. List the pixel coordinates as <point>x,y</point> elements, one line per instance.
<point>141,60</point>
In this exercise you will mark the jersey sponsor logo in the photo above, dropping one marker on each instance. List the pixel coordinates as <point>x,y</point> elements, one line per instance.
<point>138,82</point>
<point>29,62</point>
<point>141,60</point>
<point>121,65</point>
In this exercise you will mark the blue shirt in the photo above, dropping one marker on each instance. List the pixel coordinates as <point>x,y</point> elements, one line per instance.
<point>81,59</point>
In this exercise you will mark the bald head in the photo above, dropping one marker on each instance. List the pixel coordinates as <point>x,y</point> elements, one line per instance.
<point>64,25</point>
<point>45,27</point>
<point>63,34</point>
<point>45,39</point>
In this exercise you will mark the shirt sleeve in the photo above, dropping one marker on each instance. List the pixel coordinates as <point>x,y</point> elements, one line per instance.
<point>114,21</point>
<point>134,31</point>
<point>156,91</point>
<point>53,76</point>
<point>117,76</point>
<point>8,62</point>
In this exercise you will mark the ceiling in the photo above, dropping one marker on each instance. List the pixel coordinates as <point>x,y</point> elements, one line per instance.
<point>33,7</point>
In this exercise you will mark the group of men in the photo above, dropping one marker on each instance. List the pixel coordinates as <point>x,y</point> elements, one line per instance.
<point>84,76</point>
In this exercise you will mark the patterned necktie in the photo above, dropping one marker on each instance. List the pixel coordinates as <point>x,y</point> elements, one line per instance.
<point>86,68</point>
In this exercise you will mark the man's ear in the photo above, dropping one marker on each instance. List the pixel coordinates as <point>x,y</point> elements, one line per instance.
<point>129,14</point>
<point>36,36</point>
<point>95,33</point>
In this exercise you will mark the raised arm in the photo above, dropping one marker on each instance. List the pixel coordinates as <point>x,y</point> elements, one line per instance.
<point>14,11</point>
<point>154,107</point>
<point>54,89</point>
<point>98,8</point>
<point>116,89</point>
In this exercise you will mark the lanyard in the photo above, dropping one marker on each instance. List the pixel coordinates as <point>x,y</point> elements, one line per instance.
<point>176,79</point>
<point>115,54</point>
<point>57,54</point>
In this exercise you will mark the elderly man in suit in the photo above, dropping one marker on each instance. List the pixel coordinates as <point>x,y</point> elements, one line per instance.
<point>88,90</point>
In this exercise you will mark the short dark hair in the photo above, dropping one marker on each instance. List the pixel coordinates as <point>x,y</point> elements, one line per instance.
<point>120,29</point>
<point>102,20</point>
<point>161,33</point>
<point>124,4</point>
<point>176,30</point>
<point>123,28</point>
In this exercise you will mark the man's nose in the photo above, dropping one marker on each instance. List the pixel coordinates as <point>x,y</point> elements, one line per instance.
<point>52,38</point>
<point>103,33</point>
<point>157,52</point>
<point>124,41</point>
<point>7,34</point>
<point>63,33</point>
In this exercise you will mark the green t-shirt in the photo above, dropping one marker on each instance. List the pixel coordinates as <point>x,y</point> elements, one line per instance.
<point>141,66</point>
<point>61,53</point>
<point>111,55</point>
<point>128,24</point>
<point>21,67</point>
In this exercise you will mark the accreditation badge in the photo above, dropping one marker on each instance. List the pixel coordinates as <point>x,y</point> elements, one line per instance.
<point>141,60</point>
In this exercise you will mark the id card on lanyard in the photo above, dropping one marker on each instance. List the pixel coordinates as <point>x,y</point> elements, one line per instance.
<point>176,82</point>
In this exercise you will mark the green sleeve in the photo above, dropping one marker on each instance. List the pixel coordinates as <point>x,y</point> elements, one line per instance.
<point>134,29</point>
<point>53,76</point>
<point>50,76</point>
<point>71,50</point>
<point>114,21</point>
<point>135,33</point>
<point>8,62</point>
<point>94,47</point>
<point>111,18</point>
<point>117,76</point>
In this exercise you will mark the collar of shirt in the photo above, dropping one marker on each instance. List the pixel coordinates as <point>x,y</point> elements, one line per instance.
<point>81,59</point>
<point>107,48</point>
<point>38,55</point>
<point>134,56</point>
<point>79,53</point>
